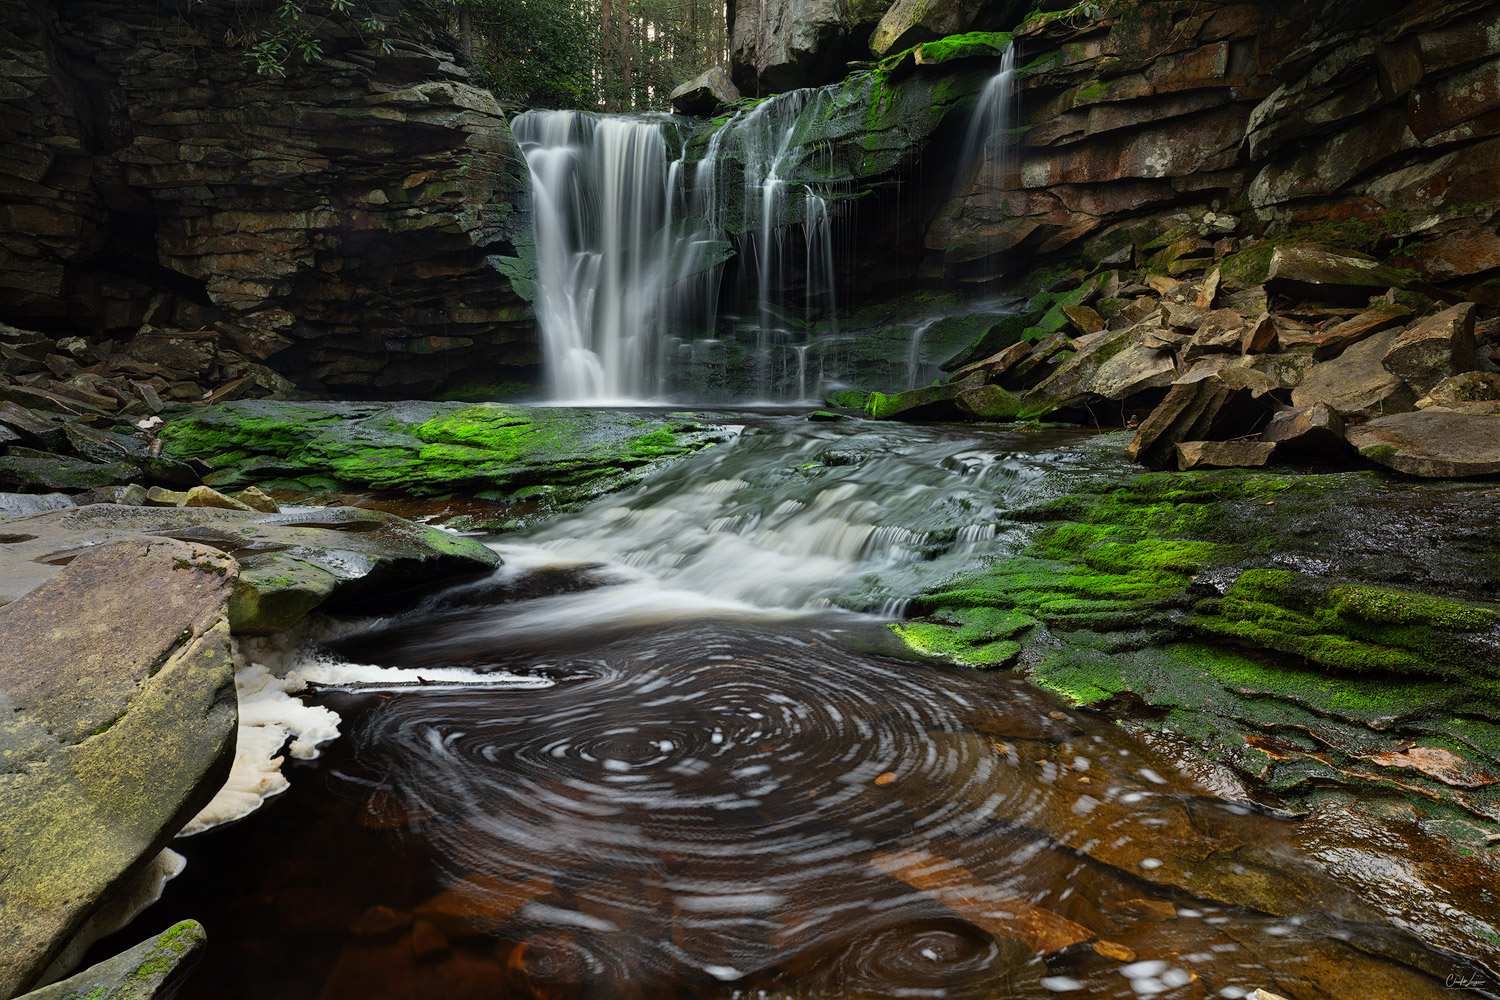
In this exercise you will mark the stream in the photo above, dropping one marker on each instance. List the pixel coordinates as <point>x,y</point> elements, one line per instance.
<point>729,781</point>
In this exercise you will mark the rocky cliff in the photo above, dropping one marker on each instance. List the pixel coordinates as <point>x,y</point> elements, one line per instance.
<point>1378,128</point>
<point>358,224</point>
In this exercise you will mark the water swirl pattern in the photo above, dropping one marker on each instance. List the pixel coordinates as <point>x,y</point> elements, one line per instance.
<point>716,797</point>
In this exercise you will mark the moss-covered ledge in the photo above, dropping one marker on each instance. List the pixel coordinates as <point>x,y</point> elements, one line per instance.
<point>550,458</point>
<point>1314,632</point>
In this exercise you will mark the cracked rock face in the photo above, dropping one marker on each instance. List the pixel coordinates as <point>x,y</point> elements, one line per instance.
<point>356,223</point>
<point>118,725</point>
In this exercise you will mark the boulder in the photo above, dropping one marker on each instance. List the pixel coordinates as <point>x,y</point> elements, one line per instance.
<point>1468,387</point>
<point>933,402</point>
<point>1206,409</point>
<point>1223,454</point>
<point>780,45</point>
<point>1435,443</point>
<point>120,694</point>
<point>1434,349</point>
<point>1114,368</point>
<point>1356,383</point>
<point>290,563</point>
<point>207,496</point>
<point>989,402</point>
<point>1085,319</point>
<point>1313,273</point>
<point>1315,431</point>
<point>1332,341</point>
<point>152,970</point>
<point>910,22</point>
<point>256,500</point>
<point>996,365</point>
<point>705,93</point>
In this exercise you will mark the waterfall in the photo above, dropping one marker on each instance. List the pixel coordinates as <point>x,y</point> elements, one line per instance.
<point>633,233</point>
<point>602,197</point>
<point>989,152</point>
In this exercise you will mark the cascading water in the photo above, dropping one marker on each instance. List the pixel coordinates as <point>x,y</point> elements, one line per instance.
<point>632,241</point>
<point>601,200</point>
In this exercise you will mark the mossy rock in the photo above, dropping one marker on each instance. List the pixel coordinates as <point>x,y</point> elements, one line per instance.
<point>550,458</point>
<point>153,969</point>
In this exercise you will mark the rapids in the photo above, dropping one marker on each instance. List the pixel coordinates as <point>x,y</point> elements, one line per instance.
<point>733,785</point>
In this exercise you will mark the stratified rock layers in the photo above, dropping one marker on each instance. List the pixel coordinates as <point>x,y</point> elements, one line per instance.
<point>359,222</point>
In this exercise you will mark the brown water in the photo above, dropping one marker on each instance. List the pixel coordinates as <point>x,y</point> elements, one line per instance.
<point>717,799</point>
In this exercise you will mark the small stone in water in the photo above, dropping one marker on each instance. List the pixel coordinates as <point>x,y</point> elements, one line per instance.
<point>887,778</point>
<point>1118,952</point>
<point>1061,984</point>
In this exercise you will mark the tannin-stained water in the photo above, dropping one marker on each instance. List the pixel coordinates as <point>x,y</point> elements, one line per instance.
<point>733,789</point>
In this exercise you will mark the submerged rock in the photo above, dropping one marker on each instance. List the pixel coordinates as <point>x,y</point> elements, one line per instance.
<point>120,699</point>
<point>152,970</point>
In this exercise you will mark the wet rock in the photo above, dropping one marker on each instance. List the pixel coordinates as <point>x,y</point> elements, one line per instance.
<point>934,402</point>
<point>1468,387</point>
<point>824,416</point>
<point>153,970</point>
<point>552,458</point>
<point>910,22</point>
<point>1433,349</point>
<point>122,702</point>
<point>989,402</point>
<point>1435,443</point>
<point>1357,383</point>
<point>1223,454</point>
<point>1332,341</point>
<point>256,500</point>
<point>289,563</point>
<point>1315,431</point>
<point>207,496</point>
<point>705,93</point>
<point>42,471</point>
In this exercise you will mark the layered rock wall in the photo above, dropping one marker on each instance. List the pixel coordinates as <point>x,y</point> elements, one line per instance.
<point>1380,125</point>
<point>359,224</point>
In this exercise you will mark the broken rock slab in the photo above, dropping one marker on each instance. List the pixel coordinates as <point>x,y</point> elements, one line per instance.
<point>1309,272</point>
<point>153,970</point>
<point>118,683</point>
<point>1357,383</point>
<point>1315,431</point>
<point>1433,350</point>
<point>1435,443</point>
<point>1223,454</point>
<point>705,93</point>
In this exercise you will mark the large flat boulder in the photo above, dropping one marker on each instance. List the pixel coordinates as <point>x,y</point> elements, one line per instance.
<point>289,562</point>
<point>1435,443</point>
<point>119,722</point>
<point>551,458</point>
<point>1311,272</point>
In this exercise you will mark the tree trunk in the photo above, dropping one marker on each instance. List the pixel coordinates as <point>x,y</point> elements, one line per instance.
<point>465,33</point>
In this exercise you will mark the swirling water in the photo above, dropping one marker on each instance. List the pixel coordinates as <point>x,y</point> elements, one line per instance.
<point>733,788</point>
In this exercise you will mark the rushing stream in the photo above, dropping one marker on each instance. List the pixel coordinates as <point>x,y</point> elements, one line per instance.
<point>731,786</point>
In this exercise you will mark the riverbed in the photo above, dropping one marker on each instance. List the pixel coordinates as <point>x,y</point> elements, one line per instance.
<point>726,777</point>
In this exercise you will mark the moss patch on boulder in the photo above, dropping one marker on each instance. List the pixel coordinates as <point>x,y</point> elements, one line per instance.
<point>553,458</point>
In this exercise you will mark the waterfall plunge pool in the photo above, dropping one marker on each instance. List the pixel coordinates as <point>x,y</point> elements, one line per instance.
<point>734,786</point>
